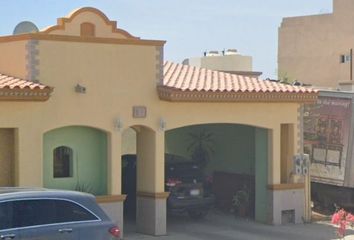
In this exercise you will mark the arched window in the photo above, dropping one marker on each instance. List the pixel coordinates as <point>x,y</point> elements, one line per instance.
<point>87,29</point>
<point>62,162</point>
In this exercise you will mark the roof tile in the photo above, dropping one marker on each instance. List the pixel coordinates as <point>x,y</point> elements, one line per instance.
<point>8,82</point>
<point>189,78</point>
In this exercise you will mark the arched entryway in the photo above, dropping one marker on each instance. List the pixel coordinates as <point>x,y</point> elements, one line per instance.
<point>75,158</point>
<point>233,159</point>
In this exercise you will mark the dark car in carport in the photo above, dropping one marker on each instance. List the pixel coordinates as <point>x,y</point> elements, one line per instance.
<point>184,179</point>
<point>44,214</point>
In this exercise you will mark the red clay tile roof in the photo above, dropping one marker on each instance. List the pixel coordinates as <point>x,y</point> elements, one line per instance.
<point>12,88</point>
<point>183,80</point>
<point>189,78</point>
<point>13,83</point>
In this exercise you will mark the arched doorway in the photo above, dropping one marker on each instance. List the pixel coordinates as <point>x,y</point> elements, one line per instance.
<point>75,158</point>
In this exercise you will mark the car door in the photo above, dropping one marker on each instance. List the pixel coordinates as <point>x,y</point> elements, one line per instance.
<point>37,219</point>
<point>7,228</point>
<point>89,225</point>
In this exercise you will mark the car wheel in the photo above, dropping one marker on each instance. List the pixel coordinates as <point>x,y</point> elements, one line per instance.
<point>197,213</point>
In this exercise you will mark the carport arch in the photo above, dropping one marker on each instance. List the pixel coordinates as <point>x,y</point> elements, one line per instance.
<point>261,141</point>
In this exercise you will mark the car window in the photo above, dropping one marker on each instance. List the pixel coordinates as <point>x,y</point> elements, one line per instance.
<point>34,212</point>
<point>71,212</point>
<point>6,216</point>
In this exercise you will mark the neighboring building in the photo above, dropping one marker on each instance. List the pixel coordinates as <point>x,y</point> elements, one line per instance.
<point>317,49</point>
<point>229,61</point>
<point>68,94</point>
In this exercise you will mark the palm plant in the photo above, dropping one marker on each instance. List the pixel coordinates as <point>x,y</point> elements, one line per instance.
<point>201,147</point>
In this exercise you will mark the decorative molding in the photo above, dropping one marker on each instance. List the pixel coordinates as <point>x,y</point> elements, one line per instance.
<point>25,94</point>
<point>110,198</point>
<point>160,195</point>
<point>159,64</point>
<point>287,186</point>
<point>66,38</point>
<point>61,22</point>
<point>32,60</point>
<point>177,95</point>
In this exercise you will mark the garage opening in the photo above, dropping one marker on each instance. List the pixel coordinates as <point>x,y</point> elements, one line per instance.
<point>214,167</point>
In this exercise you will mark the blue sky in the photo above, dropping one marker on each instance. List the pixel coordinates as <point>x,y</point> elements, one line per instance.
<point>190,27</point>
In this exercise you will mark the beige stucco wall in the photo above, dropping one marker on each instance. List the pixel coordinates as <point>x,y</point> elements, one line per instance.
<point>13,60</point>
<point>7,157</point>
<point>310,47</point>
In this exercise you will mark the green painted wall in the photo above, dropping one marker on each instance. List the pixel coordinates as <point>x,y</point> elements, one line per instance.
<point>261,151</point>
<point>234,148</point>
<point>89,159</point>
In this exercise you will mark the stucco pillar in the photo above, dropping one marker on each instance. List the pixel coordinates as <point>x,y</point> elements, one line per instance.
<point>28,157</point>
<point>285,200</point>
<point>114,163</point>
<point>151,198</point>
<point>113,203</point>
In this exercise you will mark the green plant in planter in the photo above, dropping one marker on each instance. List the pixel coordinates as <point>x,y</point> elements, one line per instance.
<point>240,202</point>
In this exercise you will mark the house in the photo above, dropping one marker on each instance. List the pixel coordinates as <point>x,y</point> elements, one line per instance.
<point>68,93</point>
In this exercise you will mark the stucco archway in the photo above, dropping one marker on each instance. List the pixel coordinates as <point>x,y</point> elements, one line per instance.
<point>237,161</point>
<point>75,158</point>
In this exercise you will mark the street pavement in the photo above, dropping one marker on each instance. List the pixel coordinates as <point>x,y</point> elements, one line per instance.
<point>221,226</point>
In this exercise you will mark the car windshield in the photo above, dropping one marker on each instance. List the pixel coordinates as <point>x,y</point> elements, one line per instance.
<point>182,168</point>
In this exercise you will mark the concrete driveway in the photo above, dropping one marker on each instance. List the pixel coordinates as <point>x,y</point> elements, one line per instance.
<point>222,226</point>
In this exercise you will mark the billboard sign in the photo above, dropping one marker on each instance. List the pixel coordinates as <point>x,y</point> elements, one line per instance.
<point>326,136</point>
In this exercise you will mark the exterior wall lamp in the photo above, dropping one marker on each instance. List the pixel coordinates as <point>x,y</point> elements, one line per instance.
<point>162,124</point>
<point>118,124</point>
<point>80,89</point>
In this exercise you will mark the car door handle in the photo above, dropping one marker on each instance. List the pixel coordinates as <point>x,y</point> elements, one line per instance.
<point>65,230</point>
<point>7,236</point>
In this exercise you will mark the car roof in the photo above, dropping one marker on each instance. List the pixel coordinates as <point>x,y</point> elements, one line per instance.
<point>39,192</point>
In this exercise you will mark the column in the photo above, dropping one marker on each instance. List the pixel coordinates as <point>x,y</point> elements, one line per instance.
<point>151,198</point>
<point>112,204</point>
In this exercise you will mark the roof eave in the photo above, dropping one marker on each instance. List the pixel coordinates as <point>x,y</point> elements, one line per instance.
<point>177,95</point>
<point>40,95</point>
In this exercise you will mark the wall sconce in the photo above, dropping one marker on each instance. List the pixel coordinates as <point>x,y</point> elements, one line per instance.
<point>162,124</point>
<point>118,124</point>
<point>80,89</point>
